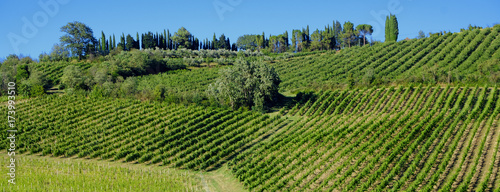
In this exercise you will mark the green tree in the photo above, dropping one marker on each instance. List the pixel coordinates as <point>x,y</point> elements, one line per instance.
<point>165,39</point>
<point>114,43</point>
<point>182,38</point>
<point>316,39</point>
<point>337,31</point>
<point>159,92</point>
<point>122,44</point>
<point>247,84</point>
<point>73,77</point>
<point>247,42</point>
<point>137,45</point>
<point>391,28</point>
<point>78,37</point>
<point>110,46</point>
<point>130,44</point>
<point>349,35</point>
<point>364,29</point>
<point>103,43</point>
<point>421,34</point>
<point>148,40</point>
<point>22,72</point>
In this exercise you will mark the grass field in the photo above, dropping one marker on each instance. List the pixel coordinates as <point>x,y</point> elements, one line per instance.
<point>39,173</point>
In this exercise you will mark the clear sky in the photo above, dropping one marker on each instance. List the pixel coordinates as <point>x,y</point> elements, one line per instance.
<point>31,27</point>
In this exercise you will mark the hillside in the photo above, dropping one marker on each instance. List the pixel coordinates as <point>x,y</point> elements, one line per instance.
<point>469,57</point>
<point>397,138</point>
<point>450,58</point>
<point>414,115</point>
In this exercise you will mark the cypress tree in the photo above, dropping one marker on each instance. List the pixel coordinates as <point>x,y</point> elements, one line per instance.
<point>307,34</point>
<point>169,42</point>
<point>263,40</point>
<point>137,41</point>
<point>395,30</point>
<point>110,43</point>
<point>294,40</point>
<point>391,28</point>
<point>114,42</point>
<point>103,43</point>
<point>214,43</point>
<point>286,40</point>
<point>387,29</point>
<point>164,39</point>
<point>142,41</point>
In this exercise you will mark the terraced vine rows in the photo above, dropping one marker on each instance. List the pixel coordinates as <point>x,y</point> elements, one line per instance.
<point>54,70</point>
<point>397,138</point>
<point>127,130</point>
<point>425,139</point>
<point>456,55</point>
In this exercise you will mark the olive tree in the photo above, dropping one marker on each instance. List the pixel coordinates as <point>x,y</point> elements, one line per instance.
<point>73,77</point>
<point>246,84</point>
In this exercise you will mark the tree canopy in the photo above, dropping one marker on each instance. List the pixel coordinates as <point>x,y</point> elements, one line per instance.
<point>391,28</point>
<point>79,38</point>
<point>182,38</point>
<point>349,34</point>
<point>248,42</point>
<point>247,84</point>
<point>364,29</point>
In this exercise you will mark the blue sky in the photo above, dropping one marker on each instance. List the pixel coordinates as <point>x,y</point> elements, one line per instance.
<point>29,28</point>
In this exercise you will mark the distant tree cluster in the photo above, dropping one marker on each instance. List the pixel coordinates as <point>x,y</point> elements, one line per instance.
<point>332,37</point>
<point>79,40</point>
<point>29,81</point>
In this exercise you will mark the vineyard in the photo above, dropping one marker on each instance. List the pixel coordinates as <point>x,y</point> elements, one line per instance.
<point>414,139</point>
<point>128,130</point>
<point>396,138</point>
<point>469,56</point>
<point>356,131</point>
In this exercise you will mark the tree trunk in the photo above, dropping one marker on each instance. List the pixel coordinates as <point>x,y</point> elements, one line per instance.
<point>364,40</point>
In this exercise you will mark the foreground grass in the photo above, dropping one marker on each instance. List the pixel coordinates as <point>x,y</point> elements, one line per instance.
<point>42,173</point>
<point>36,173</point>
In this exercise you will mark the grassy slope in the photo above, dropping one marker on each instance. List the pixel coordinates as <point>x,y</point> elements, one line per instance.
<point>41,173</point>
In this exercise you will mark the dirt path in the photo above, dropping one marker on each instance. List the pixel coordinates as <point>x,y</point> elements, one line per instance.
<point>222,179</point>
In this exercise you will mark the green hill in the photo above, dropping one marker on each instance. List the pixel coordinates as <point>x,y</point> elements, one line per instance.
<point>397,138</point>
<point>414,115</point>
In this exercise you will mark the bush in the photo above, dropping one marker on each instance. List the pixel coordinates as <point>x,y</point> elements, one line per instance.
<point>247,84</point>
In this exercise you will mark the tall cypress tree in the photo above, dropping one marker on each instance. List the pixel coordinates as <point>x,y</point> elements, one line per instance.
<point>137,42</point>
<point>395,29</point>
<point>169,41</point>
<point>114,42</point>
<point>387,29</point>
<point>307,34</point>
<point>103,43</point>
<point>122,42</point>
<point>142,41</point>
<point>264,43</point>
<point>391,28</point>
<point>110,43</point>
<point>165,39</point>
<point>215,44</point>
<point>286,40</point>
